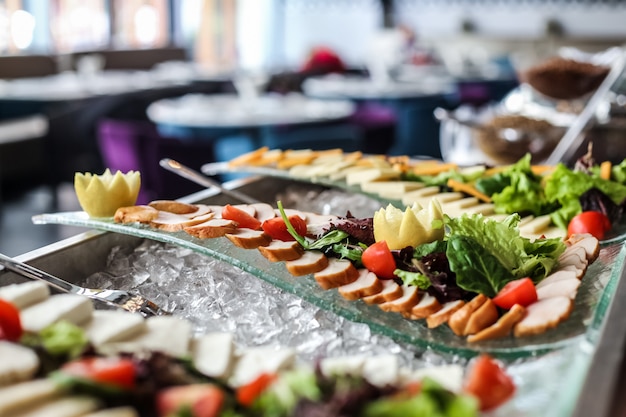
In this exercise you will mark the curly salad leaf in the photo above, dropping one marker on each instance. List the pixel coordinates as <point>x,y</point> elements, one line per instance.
<point>565,187</point>
<point>486,254</point>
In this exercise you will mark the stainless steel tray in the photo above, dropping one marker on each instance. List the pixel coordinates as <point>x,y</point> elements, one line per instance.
<point>598,355</point>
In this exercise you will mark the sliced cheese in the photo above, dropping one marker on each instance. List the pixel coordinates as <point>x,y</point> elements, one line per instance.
<point>257,360</point>
<point>213,354</point>
<point>372,174</point>
<point>26,294</point>
<point>19,396</point>
<point>17,363</point>
<point>63,407</point>
<point>76,309</point>
<point>108,326</point>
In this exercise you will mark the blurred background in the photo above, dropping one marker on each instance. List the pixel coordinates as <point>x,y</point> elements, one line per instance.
<point>92,84</point>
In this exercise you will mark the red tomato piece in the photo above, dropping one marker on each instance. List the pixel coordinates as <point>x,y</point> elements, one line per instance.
<point>242,218</point>
<point>246,394</point>
<point>521,291</point>
<point>378,259</point>
<point>10,323</point>
<point>593,222</point>
<point>488,382</point>
<point>277,228</point>
<point>204,400</point>
<point>116,371</point>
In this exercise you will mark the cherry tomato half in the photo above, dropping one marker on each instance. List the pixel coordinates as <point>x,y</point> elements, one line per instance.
<point>246,394</point>
<point>10,323</point>
<point>488,382</point>
<point>277,228</point>
<point>116,371</point>
<point>521,291</point>
<point>242,218</point>
<point>378,259</point>
<point>593,222</point>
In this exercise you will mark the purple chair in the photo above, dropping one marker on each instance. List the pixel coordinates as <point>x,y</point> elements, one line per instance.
<point>136,145</point>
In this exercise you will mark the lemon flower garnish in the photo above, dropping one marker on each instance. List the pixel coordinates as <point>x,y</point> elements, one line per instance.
<point>413,227</point>
<point>102,195</point>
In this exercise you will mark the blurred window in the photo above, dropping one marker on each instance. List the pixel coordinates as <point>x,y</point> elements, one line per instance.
<point>141,23</point>
<point>17,27</point>
<point>79,24</point>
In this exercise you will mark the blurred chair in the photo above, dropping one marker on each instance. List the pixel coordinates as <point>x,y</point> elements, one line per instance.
<point>136,145</point>
<point>134,59</point>
<point>23,66</point>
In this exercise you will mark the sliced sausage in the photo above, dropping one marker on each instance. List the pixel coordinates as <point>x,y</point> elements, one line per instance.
<point>563,287</point>
<point>557,276</point>
<point>171,222</point>
<point>338,272</point>
<point>366,284</point>
<point>486,315</point>
<point>543,315</point>
<point>439,317</point>
<point>588,242</point>
<point>309,263</point>
<point>249,238</point>
<point>279,251</point>
<point>404,303</point>
<point>427,305</point>
<point>502,327</point>
<point>458,320</point>
<point>201,211</point>
<point>577,270</point>
<point>173,206</point>
<point>390,291</point>
<point>135,214</point>
<point>575,252</point>
<point>211,228</point>
<point>263,211</point>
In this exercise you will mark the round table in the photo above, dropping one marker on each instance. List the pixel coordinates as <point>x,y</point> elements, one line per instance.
<point>413,103</point>
<point>276,121</point>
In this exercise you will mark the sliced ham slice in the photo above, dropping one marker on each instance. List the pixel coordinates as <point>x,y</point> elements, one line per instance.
<point>366,284</point>
<point>502,327</point>
<point>173,206</point>
<point>576,269</point>
<point>543,315</point>
<point>338,272</point>
<point>486,315</point>
<point>263,211</point>
<point>279,251</point>
<point>564,287</point>
<point>135,214</point>
<point>439,317</point>
<point>201,211</point>
<point>557,276</point>
<point>427,305</point>
<point>171,222</point>
<point>390,291</point>
<point>212,228</point>
<point>588,242</point>
<point>404,303</point>
<point>249,238</point>
<point>575,252</point>
<point>458,321</point>
<point>309,263</point>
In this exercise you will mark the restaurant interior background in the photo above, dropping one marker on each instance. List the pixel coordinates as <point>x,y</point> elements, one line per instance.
<point>76,72</point>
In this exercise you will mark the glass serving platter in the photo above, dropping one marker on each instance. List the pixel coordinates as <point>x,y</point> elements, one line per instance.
<point>215,168</point>
<point>594,295</point>
<point>617,234</point>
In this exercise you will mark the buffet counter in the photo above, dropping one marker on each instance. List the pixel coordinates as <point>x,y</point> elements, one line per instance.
<point>577,378</point>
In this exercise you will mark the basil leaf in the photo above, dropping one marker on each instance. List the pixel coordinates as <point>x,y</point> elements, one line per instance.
<point>476,269</point>
<point>329,239</point>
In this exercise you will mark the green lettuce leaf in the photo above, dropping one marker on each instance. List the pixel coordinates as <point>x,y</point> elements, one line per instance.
<point>486,254</point>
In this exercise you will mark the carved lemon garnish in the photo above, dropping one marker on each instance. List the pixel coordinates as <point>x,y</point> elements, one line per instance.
<point>412,227</point>
<point>102,195</point>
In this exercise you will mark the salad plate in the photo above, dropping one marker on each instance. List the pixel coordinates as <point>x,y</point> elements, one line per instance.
<point>594,295</point>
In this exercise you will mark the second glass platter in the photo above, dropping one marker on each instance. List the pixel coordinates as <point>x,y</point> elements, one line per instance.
<point>594,295</point>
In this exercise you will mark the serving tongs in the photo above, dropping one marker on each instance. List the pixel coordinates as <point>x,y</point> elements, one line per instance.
<point>197,177</point>
<point>125,300</point>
